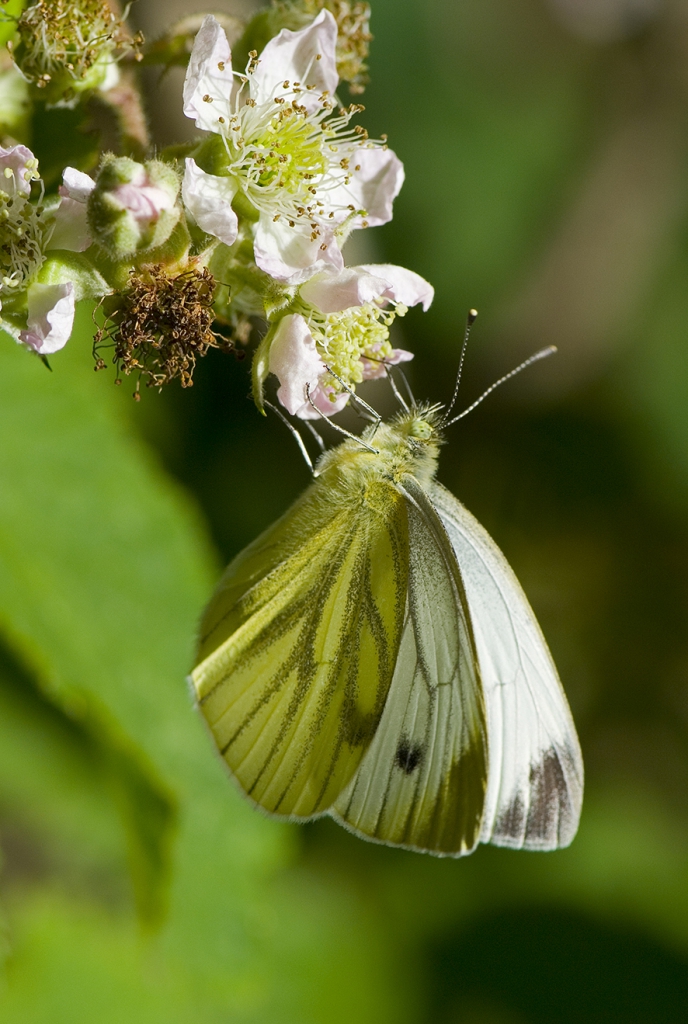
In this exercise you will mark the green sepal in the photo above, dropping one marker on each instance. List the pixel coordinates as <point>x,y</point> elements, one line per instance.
<point>243,207</point>
<point>173,253</point>
<point>211,155</point>
<point>62,266</point>
<point>10,10</point>
<point>260,368</point>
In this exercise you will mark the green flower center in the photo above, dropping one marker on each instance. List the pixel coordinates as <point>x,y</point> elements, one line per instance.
<point>360,332</point>
<point>285,155</point>
<point>289,154</point>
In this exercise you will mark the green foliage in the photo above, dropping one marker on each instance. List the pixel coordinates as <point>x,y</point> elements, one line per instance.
<point>103,571</point>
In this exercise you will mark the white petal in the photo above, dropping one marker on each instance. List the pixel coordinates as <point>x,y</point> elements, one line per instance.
<point>354,286</point>
<point>208,198</point>
<point>51,317</point>
<point>290,255</point>
<point>71,230</point>
<point>209,74</point>
<point>112,76</point>
<point>401,285</point>
<point>373,187</point>
<point>322,400</point>
<point>76,185</point>
<point>372,369</point>
<point>295,362</point>
<point>293,57</point>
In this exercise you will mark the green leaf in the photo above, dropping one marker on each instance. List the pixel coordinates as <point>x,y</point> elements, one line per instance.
<point>104,568</point>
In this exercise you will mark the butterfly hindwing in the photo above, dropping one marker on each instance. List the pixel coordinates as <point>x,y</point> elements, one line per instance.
<point>535,788</point>
<point>299,644</point>
<point>422,781</point>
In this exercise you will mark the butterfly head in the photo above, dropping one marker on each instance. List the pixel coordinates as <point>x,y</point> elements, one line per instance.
<point>410,442</point>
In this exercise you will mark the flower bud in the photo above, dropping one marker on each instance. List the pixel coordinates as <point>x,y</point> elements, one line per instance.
<point>133,206</point>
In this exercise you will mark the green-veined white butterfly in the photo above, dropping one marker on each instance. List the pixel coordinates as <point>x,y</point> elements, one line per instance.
<point>372,657</point>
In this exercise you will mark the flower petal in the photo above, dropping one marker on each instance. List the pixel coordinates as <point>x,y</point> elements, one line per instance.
<point>209,74</point>
<point>70,230</point>
<point>208,198</point>
<point>306,57</point>
<point>325,400</point>
<point>353,286</point>
<point>295,362</point>
<point>373,187</point>
<point>76,185</point>
<point>401,285</point>
<point>51,317</point>
<point>290,254</point>
<point>373,369</point>
<point>14,167</point>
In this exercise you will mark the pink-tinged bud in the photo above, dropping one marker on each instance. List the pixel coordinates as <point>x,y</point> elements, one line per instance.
<point>133,206</point>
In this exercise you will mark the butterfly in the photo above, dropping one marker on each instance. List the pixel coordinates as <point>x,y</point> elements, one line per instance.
<point>372,657</point>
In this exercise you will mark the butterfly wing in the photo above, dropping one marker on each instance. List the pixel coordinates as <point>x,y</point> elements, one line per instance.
<point>535,787</point>
<point>299,643</point>
<point>421,784</point>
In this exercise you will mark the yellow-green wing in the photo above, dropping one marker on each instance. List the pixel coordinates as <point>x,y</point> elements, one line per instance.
<point>422,781</point>
<point>298,646</point>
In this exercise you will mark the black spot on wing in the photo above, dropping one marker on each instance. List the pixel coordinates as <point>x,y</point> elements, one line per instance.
<point>408,756</point>
<point>548,798</point>
<point>509,824</point>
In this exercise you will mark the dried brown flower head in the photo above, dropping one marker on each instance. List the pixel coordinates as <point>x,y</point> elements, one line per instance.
<point>66,46</point>
<point>159,326</point>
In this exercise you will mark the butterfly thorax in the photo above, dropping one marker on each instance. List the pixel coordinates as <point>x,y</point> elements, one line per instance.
<point>408,444</point>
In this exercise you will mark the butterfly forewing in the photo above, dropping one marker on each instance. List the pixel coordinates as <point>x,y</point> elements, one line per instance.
<point>535,786</point>
<point>296,663</point>
<point>422,781</point>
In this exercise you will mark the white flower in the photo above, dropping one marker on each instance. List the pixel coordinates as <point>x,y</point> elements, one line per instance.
<point>282,153</point>
<point>342,325</point>
<point>50,318</point>
<point>21,224</point>
<point>71,230</point>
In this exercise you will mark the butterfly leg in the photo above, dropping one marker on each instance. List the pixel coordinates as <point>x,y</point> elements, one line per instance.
<point>336,426</point>
<point>297,437</point>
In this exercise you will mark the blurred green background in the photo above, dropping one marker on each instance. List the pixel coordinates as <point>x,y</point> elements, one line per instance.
<point>547,185</point>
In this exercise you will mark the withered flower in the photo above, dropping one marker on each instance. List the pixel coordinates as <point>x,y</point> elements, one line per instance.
<point>159,326</point>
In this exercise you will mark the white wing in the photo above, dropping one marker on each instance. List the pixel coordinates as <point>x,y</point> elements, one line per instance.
<point>535,782</point>
<point>421,784</point>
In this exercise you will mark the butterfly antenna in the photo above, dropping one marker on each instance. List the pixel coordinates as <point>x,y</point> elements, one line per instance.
<point>397,393</point>
<point>470,320</point>
<point>403,376</point>
<point>295,434</point>
<point>542,354</point>
<point>336,426</point>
